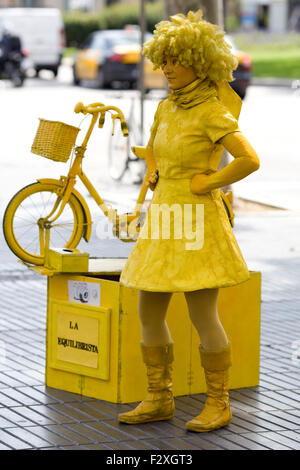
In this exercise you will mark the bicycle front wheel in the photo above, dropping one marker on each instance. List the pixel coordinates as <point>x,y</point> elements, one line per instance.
<point>20,222</point>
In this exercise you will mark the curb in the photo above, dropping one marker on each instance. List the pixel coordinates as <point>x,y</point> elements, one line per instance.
<point>262,204</point>
<point>276,82</point>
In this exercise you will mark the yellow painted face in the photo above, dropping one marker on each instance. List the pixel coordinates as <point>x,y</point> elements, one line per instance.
<point>177,75</point>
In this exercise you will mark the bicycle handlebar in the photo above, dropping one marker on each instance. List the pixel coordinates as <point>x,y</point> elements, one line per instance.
<point>96,108</point>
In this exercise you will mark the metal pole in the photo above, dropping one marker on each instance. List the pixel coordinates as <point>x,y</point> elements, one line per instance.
<point>141,79</point>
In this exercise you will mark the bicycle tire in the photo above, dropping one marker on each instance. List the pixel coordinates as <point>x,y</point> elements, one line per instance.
<point>35,206</point>
<point>118,154</point>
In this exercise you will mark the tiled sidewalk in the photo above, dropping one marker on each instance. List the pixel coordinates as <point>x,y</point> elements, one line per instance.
<point>264,418</point>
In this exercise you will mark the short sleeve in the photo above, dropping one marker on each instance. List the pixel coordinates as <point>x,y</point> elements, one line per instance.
<point>219,122</point>
<point>154,126</point>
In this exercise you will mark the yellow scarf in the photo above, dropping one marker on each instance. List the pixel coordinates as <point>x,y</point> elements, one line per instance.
<point>201,90</point>
<point>193,94</point>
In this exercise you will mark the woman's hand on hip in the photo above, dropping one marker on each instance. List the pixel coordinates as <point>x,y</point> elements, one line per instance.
<point>152,180</point>
<point>200,184</point>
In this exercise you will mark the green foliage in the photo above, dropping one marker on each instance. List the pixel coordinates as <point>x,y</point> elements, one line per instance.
<point>78,25</point>
<point>261,42</point>
<point>277,65</point>
<point>273,55</point>
<point>232,23</point>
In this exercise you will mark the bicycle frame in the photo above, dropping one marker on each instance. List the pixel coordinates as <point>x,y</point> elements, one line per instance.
<point>121,223</point>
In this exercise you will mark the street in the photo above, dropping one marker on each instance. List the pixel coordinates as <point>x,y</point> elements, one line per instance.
<point>269,118</point>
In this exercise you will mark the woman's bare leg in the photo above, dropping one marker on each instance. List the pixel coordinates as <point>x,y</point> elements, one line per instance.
<point>153,308</point>
<point>203,312</point>
<point>157,351</point>
<point>215,354</point>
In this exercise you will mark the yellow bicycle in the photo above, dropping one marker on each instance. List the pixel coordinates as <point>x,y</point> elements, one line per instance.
<point>55,205</point>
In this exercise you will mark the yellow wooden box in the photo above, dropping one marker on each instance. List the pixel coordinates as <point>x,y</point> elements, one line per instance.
<point>67,260</point>
<point>93,337</point>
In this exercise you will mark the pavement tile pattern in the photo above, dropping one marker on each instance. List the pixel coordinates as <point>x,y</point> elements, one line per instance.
<point>266,417</point>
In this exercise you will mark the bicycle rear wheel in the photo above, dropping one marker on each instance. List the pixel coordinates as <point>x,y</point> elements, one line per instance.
<point>20,222</point>
<point>118,154</point>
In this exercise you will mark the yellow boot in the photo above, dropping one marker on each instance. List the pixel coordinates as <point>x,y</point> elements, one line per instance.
<point>216,412</point>
<point>159,403</point>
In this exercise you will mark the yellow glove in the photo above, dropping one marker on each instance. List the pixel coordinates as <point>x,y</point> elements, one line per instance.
<point>146,153</point>
<point>152,170</point>
<point>246,161</point>
<point>152,180</point>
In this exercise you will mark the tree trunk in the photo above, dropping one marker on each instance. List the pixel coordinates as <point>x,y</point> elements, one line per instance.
<point>171,7</point>
<point>212,9</point>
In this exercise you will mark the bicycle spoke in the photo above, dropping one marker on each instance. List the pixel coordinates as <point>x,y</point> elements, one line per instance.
<point>58,233</point>
<point>49,209</point>
<point>26,220</point>
<point>26,210</point>
<point>28,245</point>
<point>33,202</point>
<point>62,225</point>
<point>24,233</point>
<point>43,202</point>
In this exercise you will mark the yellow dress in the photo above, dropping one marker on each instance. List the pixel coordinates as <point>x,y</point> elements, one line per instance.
<point>186,242</point>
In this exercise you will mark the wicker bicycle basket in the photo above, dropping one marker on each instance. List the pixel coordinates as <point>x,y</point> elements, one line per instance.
<point>54,140</point>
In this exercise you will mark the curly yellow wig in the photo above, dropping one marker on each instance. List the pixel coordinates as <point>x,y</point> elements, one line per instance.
<point>195,43</point>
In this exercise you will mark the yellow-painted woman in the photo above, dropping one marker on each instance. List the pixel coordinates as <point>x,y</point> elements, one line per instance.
<point>191,127</point>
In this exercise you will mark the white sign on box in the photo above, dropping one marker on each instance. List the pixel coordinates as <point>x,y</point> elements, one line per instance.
<point>87,293</point>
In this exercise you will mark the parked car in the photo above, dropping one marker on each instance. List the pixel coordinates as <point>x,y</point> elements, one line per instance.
<point>41,31</point>
<point>242,75</point>
<point>112,56</point>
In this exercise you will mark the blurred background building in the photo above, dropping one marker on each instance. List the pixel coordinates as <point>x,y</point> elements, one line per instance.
<point>271,15</point>
<point>88,5</point>
<point>276,16</point>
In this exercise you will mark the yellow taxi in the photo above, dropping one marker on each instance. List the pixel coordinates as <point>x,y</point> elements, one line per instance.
<point>242,75</point>
<point>112,57</point>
